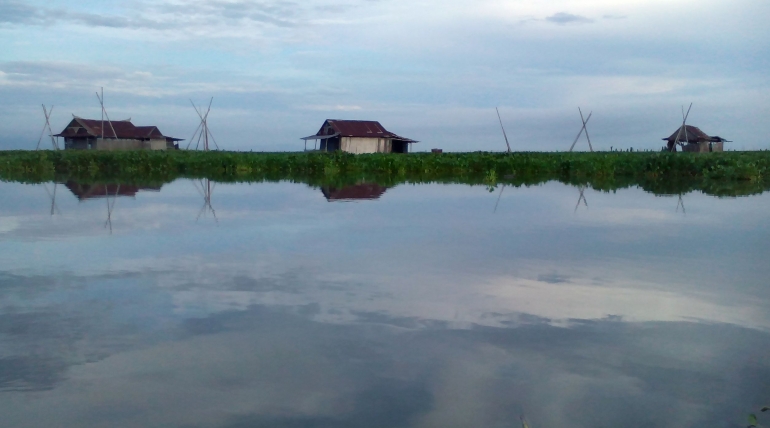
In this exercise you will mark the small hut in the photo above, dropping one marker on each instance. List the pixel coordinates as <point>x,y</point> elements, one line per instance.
<point>692,139</point>
<point>358,136</point>
<point>114,135</point>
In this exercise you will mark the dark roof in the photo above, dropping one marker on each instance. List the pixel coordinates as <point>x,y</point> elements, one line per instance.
<point>692,134</point>
<point>124,129</point>
<point>358,128</point>
<point>104,190</point>
<point>358,191</point>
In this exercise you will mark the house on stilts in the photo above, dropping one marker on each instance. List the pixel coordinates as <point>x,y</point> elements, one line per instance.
<point>358,136</point>
<point>114,135</point>
<point>692,139</point>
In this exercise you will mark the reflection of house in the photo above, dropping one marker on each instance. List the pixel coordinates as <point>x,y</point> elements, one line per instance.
<point>355,192</point>
<point>104,190</point>
<point>359,136</point>
<point>113,135</point>
<point>692,139</point>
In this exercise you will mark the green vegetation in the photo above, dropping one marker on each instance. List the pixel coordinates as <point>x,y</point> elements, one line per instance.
<point>723,174</point>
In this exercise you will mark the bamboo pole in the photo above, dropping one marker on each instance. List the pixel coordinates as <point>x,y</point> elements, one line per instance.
<point>503,128</point>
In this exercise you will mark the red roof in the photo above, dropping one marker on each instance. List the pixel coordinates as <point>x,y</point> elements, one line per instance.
<point>358,128</point>
<point>124,129</point>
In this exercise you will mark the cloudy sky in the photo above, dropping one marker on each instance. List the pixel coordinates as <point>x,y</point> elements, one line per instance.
<point>427,69</point>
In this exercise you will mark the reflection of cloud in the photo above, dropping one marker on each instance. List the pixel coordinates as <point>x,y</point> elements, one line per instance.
<point>268,367</point>
<point>8,224</point>
<point>553,278</point>
<point>563,18</point>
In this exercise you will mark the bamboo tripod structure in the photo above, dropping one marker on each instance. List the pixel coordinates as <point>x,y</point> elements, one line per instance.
<point>47,114</point>
<point>682,129</point>
<point>202,131</point>
<point>104,114</point>
<point>583,129</point>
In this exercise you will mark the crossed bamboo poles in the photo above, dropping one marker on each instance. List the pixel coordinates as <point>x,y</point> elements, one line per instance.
<point>47,114</point>
<point>583,129</point>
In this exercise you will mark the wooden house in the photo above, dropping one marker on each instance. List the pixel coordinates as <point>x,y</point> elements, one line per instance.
<point>692,139</point>
<point>114,135</point>
<point>358,136</point>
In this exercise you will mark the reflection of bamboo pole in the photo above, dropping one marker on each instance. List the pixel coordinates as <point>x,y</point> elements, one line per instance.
<point>581,198</point>
<point>498,198</point>
<point>54,208</point>
<point>206,191</point>
<point>681,202</point>
<point>501,126</point>
<point>110,207</point>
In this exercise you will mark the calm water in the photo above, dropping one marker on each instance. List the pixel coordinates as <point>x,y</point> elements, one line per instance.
<point>430,306</point>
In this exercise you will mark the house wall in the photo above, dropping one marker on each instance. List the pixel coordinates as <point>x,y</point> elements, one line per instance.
<point>110,144</point>
<point>366,145</point>
<point>704,147</point>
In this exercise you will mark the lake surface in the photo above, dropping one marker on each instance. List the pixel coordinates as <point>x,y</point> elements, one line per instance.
<point>283,305</point>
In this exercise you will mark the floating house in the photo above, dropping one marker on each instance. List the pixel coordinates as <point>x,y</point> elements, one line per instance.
<point>114,135</point>
<point>358,136</point>
<point>354,192</point>
<point>692,139</point>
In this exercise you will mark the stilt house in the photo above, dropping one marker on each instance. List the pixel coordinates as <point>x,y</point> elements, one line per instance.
<point>114,135</point>
<point>358,136</point>
<point>692,139</point>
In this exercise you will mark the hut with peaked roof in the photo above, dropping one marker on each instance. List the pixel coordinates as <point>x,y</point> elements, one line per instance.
<point>692,139</point>
<point>114,135</point>
<point>358,136</point>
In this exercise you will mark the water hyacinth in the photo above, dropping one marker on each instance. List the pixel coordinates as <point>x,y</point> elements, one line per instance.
<point>724,174</point>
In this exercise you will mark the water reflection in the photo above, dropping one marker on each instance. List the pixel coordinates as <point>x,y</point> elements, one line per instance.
<point>107,191</point>
<point>424,309</point>
<point>206,188</point>
<point>361,191</point>
<point>581,198</point>
<point>680,203</point>
<point>52,196</point>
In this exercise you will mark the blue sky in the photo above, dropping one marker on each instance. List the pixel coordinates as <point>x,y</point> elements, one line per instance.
<point>429,70</point>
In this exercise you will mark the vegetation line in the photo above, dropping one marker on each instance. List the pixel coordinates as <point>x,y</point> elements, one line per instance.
<point>667,172</point>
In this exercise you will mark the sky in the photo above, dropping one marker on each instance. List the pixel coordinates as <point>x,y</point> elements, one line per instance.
<point>430,70</point>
